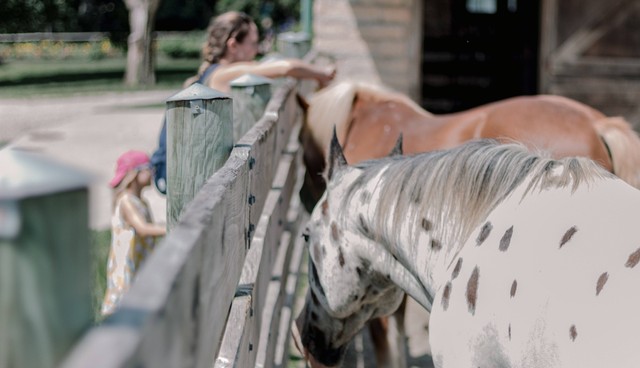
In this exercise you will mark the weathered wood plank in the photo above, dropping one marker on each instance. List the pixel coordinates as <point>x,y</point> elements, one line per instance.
<point>277,294</point>
<point>288,309</point>
<point>289,114</point>
<point>273,304</point>
<point>241,325</point>
<point>261,140</point>
<point>235,348</point>
<point>259,262</point>
<point>601,20</point>
<point>233,224</point>
<point>605,67</point>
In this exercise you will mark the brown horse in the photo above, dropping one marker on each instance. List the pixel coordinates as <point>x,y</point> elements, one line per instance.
<point>369,119</point>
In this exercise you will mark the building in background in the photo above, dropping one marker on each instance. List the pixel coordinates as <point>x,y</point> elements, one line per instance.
<point>450,55</point>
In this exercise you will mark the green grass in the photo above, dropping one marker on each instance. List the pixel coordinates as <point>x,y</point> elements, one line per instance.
<point>100,242</point>
<point>28,78</point>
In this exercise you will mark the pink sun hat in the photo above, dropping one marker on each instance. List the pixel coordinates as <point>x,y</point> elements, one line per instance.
<point>128,161</point>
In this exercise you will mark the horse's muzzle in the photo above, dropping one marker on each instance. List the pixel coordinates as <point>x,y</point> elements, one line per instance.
<point>296,329</point>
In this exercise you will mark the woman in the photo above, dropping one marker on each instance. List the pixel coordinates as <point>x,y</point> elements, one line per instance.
<point>230,51</point>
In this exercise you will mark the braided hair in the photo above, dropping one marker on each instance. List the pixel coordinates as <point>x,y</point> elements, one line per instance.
<point>221,29</point>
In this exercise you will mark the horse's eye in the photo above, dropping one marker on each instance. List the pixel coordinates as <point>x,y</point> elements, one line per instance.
<point>305,235</point>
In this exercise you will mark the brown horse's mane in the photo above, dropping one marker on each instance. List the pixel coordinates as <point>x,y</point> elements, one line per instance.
<point>332,106</point>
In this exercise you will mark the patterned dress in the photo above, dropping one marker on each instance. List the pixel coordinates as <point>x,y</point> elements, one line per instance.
<point>128,251</point>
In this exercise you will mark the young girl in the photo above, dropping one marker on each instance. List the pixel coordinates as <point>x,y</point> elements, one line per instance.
<point>133,233</point>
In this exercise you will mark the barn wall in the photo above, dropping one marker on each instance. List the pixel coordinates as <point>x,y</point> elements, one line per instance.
<point>373,40</point>
<point>591,52</point>
<point>589,49</point>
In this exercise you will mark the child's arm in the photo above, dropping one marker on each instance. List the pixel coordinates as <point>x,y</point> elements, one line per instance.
<point>138,222</point>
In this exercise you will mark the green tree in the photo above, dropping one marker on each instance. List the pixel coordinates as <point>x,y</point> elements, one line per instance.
<point>38,16</point>
<point>281,13</point>
<point>184,15</point>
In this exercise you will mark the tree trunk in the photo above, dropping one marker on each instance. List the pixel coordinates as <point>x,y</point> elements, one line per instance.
<point>140,53</point>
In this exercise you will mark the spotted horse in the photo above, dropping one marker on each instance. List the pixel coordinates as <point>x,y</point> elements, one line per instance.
<point>522,260</point>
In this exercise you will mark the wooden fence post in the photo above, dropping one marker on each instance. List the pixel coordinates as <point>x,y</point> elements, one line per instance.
<point>199,141</point>
<point>45,278</point>
<point>250,94</point>
<point>294,44</point>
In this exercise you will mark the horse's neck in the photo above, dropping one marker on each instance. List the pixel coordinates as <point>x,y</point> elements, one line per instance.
<point>422,226</point>
<point>414,259</point>
<point>426,253</point>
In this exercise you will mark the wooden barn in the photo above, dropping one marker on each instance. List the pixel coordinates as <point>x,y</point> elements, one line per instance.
<point>450,55</point>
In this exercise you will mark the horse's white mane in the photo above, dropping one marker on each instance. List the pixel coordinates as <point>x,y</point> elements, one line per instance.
<point>331,106</point>
<point>461,186</point>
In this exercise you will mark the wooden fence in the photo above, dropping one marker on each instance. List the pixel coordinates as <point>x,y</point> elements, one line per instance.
<point>219,290</point>
<point>231,256</point>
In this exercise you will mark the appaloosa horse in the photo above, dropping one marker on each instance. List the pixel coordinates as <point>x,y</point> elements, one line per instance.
<point>523,260</point>
<point>369,118</point>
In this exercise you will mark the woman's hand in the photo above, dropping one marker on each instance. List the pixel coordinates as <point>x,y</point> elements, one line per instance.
<point>327,76</point>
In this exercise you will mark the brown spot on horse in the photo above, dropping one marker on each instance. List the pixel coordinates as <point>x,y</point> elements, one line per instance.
<point>601,281</point>
<point>325,208</point>
<point>335,231</point>
<point>426,224</point>
<point>484,233</point>
<point>633,260</point>
<point>573,332</point>
<point>340,257</point>
<point>506,240</point>
<point>446,293</point>
<point>472,290</point>
<point>456,269</point>
<point>568,235</point>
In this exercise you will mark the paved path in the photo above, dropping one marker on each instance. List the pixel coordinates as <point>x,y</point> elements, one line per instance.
<point>88,132</point>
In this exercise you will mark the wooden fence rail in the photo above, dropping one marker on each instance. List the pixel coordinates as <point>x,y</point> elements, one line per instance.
<point>212,293</point>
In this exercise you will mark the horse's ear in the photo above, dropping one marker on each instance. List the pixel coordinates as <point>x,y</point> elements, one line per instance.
<point>336,156</point>
<point>397,149</point>
<point>302,102</point>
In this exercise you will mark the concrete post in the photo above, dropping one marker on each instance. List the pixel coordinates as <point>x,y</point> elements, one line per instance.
<point>45,276</point>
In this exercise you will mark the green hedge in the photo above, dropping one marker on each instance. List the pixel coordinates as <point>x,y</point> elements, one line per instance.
<point>184,45</point>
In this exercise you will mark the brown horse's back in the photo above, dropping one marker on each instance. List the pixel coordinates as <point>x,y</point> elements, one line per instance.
<point>561,126</point>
